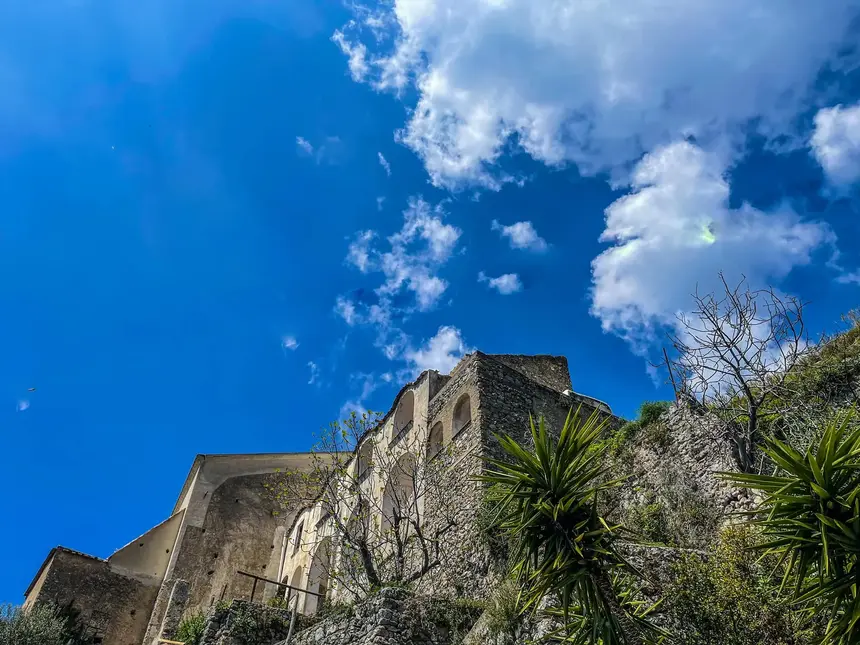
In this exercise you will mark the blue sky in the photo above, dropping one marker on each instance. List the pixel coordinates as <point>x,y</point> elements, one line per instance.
<point>202,250</point>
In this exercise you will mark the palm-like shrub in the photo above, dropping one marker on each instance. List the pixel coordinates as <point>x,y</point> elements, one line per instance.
<point>546,500</point>
<point>810,515</point>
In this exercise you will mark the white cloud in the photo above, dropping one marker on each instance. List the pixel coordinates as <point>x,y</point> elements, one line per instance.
<point>356,54</point>
<point>505,284</point>
<point>304,145</point>
<point>521,235</point>
<point>593,83</point>
<point>289,342</point>
<point>836,143</point>
<point>441,352</point>
<point>315,373</point>
<point>379,202</point>
<point>408,267</point>
<point>676,231</point>
<point>349,407</point>
<point>417,251</point>
<point>359,251</point>
<point>23,405</point>
<point>384,163</point>
<point>330,151</point>
<point>368,384</point>
<point>346,309</point>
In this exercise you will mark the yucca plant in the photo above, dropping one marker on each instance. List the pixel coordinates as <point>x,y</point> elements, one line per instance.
<point>810,515</point>
<point>546,500</point>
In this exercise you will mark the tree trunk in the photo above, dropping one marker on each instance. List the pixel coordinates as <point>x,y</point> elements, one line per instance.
<point>631,633</point>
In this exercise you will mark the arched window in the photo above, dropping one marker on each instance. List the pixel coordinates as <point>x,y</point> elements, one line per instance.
<point>318,577</point>
<point>435,441</point>
<point>403,417</point>
<point>365,459</point>
<point>297,536</point>
<point>297,583</point>
<point>462,414</point>
<point>357,532</point>
<point>398,498</point>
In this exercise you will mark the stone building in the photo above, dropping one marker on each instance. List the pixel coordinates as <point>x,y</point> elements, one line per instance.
<point>224,526</point>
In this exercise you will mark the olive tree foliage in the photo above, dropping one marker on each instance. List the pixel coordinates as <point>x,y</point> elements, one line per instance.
<point>42,624</point>
<point>735,355</point>
<point>384,513</point>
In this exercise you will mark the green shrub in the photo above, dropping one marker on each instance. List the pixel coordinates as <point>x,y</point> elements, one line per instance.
<point>456,617</point>
<point>731,597</point>
<point>191,628</point>
<point>651,411</point>
<point>649,519</point>
<point>502,613</point>
<point>278,602</point>
<point>252,624</point>
<point>42,624</point>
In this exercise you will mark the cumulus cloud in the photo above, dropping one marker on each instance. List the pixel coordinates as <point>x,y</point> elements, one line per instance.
<point>416,252</point>
<point>441,352</point>
<point>384,163</point>
<point>836,143</point>
<point>290,343</point>
<point>676,230</point>
<point>521,235</point>
<point>593,83</point>
<point>408,267</point>
<point>505,284</point>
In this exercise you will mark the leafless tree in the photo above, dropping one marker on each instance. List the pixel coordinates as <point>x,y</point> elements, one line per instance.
<point>735,355</point>
<point>383,511</point>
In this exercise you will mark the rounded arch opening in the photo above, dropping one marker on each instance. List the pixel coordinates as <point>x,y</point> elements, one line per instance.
<point>297,582</point>
<point>318,576</point>
<point>399,495</point>
<point>435,440</point>
<point>462,414</point>
<point>404,416</point>
<point>365,459</point>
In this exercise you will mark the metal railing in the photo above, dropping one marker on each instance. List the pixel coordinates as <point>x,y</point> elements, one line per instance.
<point>280,585</point>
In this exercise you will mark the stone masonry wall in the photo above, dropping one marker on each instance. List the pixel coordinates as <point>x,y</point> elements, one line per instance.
<point>114,605</point>
<point>550,371</point>
<point>508,398</point>
<point>245,623</point>
<point>504,390</point>
<point>691,449</point>
<point>391,617</point>
<point>464,557</point>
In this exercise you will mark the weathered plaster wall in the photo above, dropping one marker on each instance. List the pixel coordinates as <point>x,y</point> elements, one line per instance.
<point>228,524</point>
<point>237,534</point>
<point>150,553</point>
<point>109,601</point>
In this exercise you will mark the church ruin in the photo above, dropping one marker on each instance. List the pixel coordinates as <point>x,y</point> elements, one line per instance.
<point>226,538</point>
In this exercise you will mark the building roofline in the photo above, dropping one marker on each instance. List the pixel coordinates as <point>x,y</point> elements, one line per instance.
<point>201,458</point>
<point>51,554</point>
